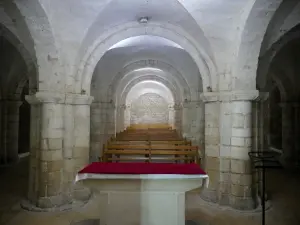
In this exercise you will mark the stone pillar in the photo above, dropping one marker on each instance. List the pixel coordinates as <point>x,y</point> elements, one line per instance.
<point>96,132</point>
<point>287,133</point>
<point>76,152</point>
<point>103,126</point>
<point>296,153</point>
<point>260,134</point>
<point>242,186</point>
<point>228,139</point>
<point>211,162</point>
<point>127,116</point>
<point>186,119</point>
<point>260,122</point>
<point>193,122</point>
<point>12,134</point>
<point>171,116</point>
<point>178,117</point>
<point>120,118</point>
<point>46,151</point>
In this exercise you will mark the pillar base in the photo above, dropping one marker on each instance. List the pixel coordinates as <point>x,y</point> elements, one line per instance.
<point>47,205</point>
<point>242,203</point>
<point>209,195</point>
<point>239,203</point>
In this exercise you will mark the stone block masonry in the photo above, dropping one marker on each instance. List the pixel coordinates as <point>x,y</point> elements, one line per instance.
<point>60,132</point>
<point>228,139</point>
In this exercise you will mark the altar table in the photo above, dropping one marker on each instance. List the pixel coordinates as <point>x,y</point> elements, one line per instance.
<point>142,193</point>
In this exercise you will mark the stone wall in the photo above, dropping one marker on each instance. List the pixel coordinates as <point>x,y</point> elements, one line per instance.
<point>149,108</point>
<point>59,148</point>
<point>228,139</point>
<point>103,127</point>
<point>193,122</point>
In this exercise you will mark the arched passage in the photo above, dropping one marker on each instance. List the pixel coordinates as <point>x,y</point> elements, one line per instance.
<point>148,102</point>
<point>98,49</point>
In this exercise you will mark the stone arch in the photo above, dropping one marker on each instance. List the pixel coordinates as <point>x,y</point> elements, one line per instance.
<point>35,30</point>
<point>159,89</point>
<point>26,55</point>
<point>146,97</point>
<point>18,91</point>
<point>126,89</point>
<point>251,38</point>
<point>149,63</point>
<point>282,85</point>
<point>267,58</point>
<point>124,31</point>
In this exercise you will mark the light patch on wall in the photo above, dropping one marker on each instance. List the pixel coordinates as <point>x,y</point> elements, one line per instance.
<point>149,108</point>
<point>149,86</point>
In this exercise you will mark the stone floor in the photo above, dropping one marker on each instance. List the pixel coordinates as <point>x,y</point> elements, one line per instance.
<point>283,186</point>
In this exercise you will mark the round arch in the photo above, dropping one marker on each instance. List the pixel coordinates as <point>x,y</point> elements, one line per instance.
<point>36,32</point>
<point>267,58</point>
<point>125,90</point>
<point>251,38</point>
<point>13,40</point>
<point>168,31</point>
<point>146,87</point>
<point>168,69</point>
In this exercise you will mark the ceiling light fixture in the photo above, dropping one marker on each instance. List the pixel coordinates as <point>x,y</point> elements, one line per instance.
<point>143,20</point>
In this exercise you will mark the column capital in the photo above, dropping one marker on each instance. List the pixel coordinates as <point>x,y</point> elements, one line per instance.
<point>263,96</point>
<point>230,96</point>
<point>191,104</point>
<point>106,105</point>
<point>58,98</point>
<point>177,106</point>
<point>76,99</point>
<point>123,106</point>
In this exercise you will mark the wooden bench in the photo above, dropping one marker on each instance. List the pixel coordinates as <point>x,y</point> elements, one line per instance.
<point>150,143</point>
<point>150,153</point>
<point>147,126</point>
<point>163,142</point>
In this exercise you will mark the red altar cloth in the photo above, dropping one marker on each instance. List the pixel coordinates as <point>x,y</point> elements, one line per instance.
<point>143,168</point>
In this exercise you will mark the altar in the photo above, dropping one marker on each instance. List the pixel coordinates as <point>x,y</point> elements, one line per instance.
<point>142,193</point>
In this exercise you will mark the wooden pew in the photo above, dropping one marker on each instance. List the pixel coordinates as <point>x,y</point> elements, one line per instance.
<point>148,126</point>
<point>151,153</point>
<point>150,143</point>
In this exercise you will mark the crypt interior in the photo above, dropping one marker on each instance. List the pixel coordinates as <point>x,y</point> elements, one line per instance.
<point>224,74</point>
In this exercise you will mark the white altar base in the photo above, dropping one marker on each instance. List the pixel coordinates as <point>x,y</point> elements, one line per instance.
<point>141,199</point>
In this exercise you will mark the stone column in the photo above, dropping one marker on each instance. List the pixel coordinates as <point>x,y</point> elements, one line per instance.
<point>96,132</point>
<point>260,133</point>
<point>12,135</point>
<point>193,121</point>
<point>46,151</point>
<point>127,116</point>
<point>120,118</point>
<point>178,117</point>
<point>211,161</point>
<point>287,133</point>
<point>171,116</point>
<point>242,186</point>
<point>264,121</point>
<point>3,150</point>
<point>76,153</point>
<point>186,119</point>
<point>296,153</point>
<point>103,126</point>
<point>228,139</point>
<point>260,122</point>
